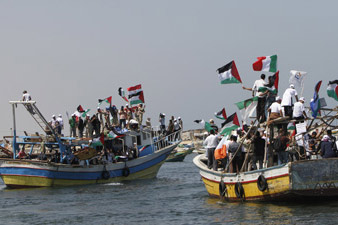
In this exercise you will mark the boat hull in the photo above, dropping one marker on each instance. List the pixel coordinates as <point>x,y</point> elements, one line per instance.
<point>27,173</point>
<point>179,156</point>
<point>284,182</point>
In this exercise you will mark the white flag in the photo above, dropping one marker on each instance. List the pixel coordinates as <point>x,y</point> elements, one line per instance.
<point>297,79</point>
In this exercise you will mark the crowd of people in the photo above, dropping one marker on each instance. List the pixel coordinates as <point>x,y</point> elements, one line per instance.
<point>246,148</point>
<point>104,120</point>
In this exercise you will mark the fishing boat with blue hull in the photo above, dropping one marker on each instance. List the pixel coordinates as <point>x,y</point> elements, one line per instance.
<point>150,147</point>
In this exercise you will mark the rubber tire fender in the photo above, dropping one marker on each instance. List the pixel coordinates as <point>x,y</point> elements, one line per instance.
<point>262,184</point>
<point>125,171</point>
<point>105,175</point>
<point>239,190</point>
<point>222,189</point>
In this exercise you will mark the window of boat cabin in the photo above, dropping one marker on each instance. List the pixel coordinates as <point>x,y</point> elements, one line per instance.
<point>138,139</point>
<point>144,135</point>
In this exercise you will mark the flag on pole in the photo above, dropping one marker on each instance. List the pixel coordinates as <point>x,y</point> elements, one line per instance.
<point>135,95</point>
<point>84,114</point>
<point>221,114</point>
<point>206,125</point>
<point>315,104</point>
<point>221,149</point>
<point>122,94</point>
<point>332,89</point>
<point>112,135</point>
<point>272,86</point>
<point>230,124</point>
<point>291,126</point>
<point>229,74</point>
<point>80,109</point>
<point>107,100</point>
<point>297,79</point>
<point>266,63</point>
<point>247,107</point>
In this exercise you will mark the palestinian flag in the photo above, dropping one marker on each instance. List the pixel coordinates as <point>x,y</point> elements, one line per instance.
<point>291,126</point>
<point>102,138</point>
<point>230,124</point>
<point>266,63</point>
<point>247,107</point>
<point>221,114</point>
<point>107,100</point>
<point>84,114</point>
<point>112,135</point>
<point>135,95</point>
<point>229,74</point>
<point>122,94</point>
<point>315,104</point>
<point>96,142</point>
<point>332,89</point>
<point>206,125</point>
<point>80,109</point>
<point>272,86</point>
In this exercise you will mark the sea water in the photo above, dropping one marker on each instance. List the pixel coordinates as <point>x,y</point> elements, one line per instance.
<point>176,196</point>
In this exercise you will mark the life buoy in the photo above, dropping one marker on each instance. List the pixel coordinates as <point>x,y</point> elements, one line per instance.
<point>222,189</point>
<point>105,175</point>
<point>262,184</point>
<point>126,171</point>
<point>239,190</point>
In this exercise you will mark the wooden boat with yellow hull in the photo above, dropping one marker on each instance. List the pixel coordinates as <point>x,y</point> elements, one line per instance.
<point>300,179</point>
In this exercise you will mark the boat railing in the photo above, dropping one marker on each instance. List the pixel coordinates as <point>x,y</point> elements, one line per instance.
<point>163,141</point>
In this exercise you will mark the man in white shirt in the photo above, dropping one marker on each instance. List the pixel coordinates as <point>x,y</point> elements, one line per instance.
<point>287,100</point>
<point>299,110</point>
<point>60,127</point>
<point>211,143</point>
<point>53,121</point>
<point>275,110</point>
<point>260,110</point>
<point>26,97</point>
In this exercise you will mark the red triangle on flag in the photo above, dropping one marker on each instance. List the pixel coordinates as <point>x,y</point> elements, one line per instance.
<point>109,99</point>
<point>235,121</point>
<point>234,71</point>
<point>102,138</point>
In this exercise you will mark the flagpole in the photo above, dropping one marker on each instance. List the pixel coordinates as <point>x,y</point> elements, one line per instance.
<point>240,145</point>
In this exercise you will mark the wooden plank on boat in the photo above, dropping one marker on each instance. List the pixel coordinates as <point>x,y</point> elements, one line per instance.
<point>85,153</point>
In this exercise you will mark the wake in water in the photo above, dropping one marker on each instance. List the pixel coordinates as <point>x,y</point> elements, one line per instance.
<point>114,184</point>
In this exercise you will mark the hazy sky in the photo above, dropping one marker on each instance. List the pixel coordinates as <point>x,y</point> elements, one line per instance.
<point>66,53</point>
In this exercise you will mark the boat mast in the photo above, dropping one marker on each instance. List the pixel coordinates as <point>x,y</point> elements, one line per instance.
<point>14,132</point>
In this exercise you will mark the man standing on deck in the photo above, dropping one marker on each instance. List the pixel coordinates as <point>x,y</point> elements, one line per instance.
<point>162,123</point>
<point>60,127</point>
<point>287,100</point>
<point>72,125</point>
<point>213,125</point>
<point>211,143</point>
<point>235,155</point>
<point>275,110</point>
<point>260,110</point>
<point>299,110</point>
<point>259,149</point>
